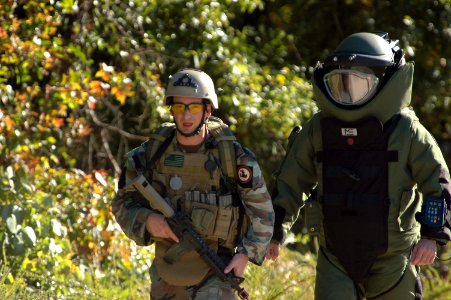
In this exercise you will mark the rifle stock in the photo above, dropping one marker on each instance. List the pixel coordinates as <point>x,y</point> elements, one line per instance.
<point>181,225</point>
<point>155,200</point>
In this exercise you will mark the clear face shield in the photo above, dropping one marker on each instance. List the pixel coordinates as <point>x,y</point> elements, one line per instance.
<point>351,86</point>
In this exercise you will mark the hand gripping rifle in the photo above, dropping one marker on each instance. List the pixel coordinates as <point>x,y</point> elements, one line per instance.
<point>181,225</point>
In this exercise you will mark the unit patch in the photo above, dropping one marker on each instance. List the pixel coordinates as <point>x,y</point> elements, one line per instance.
<point>174,160</point>
<point>245,175</point>
<point>186,80</point>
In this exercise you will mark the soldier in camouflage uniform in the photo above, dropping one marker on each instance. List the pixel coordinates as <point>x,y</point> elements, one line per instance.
<point>199,168</point>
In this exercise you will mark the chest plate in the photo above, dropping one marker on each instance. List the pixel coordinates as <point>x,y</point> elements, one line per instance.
<point>355,192</point>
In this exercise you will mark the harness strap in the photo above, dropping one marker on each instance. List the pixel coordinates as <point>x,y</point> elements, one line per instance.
<point>158,142</point>
<point>225,138</point>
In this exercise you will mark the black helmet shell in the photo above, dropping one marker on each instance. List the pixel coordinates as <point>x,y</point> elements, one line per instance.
<point>363,49</point>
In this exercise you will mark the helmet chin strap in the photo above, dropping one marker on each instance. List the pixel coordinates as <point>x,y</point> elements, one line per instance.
<point>195,131</point>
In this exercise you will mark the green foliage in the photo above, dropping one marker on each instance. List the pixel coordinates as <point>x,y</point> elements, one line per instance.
<point>82,83</point>
<point>436,285</point>
<point>291,277</point>
<point>61,221</point>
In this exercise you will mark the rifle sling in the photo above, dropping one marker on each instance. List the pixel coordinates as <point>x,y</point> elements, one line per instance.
<point>159,152</point>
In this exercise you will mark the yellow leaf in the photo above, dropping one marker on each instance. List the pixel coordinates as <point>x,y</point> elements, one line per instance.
<point>9,123</point>
<point>280,79</point>
<point>99,74</point>
<point>119,94</point>
<point>95,87</point>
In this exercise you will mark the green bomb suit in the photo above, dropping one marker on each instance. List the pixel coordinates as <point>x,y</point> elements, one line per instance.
<point>419,170</point>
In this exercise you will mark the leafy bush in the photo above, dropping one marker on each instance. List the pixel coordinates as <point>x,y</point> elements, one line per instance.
<point>58,233</point>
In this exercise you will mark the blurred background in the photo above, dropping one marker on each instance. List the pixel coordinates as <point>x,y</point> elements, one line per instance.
<point>82,83</point>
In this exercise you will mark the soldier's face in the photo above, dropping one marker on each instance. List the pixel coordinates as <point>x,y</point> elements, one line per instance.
<point>188,113</point>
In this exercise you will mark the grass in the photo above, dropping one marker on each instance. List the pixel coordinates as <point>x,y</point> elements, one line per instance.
<point>290,277</point>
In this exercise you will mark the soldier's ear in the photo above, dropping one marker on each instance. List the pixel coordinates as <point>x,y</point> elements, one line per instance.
<point>208,110</point>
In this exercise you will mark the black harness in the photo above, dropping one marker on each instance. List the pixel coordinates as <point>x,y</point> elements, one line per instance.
<point>355,190</point>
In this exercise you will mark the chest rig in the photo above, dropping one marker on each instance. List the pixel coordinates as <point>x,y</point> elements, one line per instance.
<point>355,191</point>
<point>201,183</point>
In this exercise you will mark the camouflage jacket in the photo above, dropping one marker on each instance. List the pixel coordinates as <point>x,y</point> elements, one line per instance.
<point>131,211</point>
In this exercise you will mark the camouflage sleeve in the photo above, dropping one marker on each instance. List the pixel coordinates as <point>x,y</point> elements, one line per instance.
<point>257,204</point>
<point>129,207</point>
<point>131,215</point>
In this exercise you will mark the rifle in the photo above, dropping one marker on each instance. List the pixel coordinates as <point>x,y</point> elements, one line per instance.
<point>181,225</point>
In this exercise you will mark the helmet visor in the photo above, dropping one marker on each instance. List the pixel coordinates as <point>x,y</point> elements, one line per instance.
<point>350,87</point>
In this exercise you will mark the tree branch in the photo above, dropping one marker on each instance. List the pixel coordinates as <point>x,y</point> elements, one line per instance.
<point>106,146</point>
<point>115,129</point>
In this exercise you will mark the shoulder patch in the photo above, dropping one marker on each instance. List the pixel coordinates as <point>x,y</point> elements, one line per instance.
<point>245,176</point>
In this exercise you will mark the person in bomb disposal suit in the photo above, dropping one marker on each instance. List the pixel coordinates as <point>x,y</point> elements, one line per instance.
<point>383,187</point>
<point>200,168</point>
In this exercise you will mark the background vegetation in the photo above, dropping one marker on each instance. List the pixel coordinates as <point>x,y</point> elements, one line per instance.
<point>82,82</point>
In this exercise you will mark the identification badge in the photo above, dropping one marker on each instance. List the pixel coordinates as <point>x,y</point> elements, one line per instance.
<point>349,131</point>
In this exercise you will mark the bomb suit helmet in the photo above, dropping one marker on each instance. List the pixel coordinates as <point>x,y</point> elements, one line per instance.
<point>360,66</point>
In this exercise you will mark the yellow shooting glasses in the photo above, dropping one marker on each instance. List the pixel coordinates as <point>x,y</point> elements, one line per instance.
<point>193,108</point>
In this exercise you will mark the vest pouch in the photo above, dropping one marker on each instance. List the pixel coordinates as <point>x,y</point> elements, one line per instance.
<point>223,222</point>
<point>204,218</point>
<point>313,216</point>
<point>410,203</point>
<point>189,269</point>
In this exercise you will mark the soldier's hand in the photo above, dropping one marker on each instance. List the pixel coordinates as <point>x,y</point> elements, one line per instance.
<point>157,226</point>
<point>237,264</point>
<point>424,252</point>
<point>273,251</point>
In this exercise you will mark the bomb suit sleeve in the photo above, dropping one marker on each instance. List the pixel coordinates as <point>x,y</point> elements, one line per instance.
<point>257,206</point>
<point>295,179</point>
<point>431,173</point>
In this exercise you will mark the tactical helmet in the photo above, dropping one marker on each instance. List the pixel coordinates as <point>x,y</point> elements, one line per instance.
<point>191,83</point>
<point>360,66</point>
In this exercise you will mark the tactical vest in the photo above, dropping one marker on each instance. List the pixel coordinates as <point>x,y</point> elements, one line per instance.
<point>355,191</point>
<point>202,184</point>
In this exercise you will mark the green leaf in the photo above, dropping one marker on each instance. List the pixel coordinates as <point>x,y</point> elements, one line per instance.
<point>12,224</point>
<point>6,211</point>
<point>47,201</point>
<point>30,235</point>
<point>18,248</point>
<point>57,229</point>
<point>9,172</point>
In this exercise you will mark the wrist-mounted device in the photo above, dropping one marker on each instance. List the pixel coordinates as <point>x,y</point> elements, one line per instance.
<point>433,213</point>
